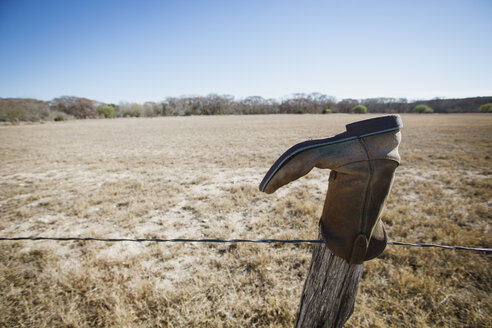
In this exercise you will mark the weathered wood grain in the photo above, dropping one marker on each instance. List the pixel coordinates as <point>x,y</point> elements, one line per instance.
<point>329,292</point>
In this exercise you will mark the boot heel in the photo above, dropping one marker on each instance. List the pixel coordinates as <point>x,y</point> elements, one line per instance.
<point>374,126</point>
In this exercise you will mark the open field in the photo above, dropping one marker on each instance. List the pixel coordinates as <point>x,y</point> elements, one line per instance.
<point>195,177</point>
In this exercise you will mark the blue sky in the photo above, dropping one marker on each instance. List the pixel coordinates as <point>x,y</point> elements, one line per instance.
<point>140,51</point>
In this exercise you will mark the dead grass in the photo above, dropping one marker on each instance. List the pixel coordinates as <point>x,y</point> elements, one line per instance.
<point>197,177</point>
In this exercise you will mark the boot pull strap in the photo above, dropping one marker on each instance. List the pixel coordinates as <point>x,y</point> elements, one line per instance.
<point>359,249</point>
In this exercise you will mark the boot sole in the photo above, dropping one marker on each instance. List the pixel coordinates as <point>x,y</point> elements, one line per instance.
<point>354,130</point>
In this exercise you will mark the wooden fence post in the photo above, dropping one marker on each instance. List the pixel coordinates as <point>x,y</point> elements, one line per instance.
<point>329,291</point>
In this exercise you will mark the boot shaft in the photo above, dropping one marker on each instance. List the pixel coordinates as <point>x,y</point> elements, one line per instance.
<point>356,195</point>
<point>350,222</point>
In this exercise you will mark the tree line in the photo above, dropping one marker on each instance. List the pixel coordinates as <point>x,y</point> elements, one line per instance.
<point>71,107</point>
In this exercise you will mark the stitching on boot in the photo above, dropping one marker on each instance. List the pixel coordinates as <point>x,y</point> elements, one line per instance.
<point>367,197</point>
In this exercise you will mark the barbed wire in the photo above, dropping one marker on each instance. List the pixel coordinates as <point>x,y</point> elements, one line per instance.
<point>213,240</point>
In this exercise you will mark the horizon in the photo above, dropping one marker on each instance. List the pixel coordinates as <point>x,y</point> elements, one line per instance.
<point>279,100</point>
<point>129,51</point>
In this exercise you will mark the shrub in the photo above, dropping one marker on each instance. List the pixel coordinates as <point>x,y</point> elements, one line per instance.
<point>485,108</point>
<point>23,109</point>
<point>57,116</point>
<point>11,112</point>
<point>327,111</point>
<point>130,110</point>
<point>300,111</point>
<point>359,109</point>
<point>423,109</point>
<point>106,111</point>
<point>131,113</point>
<point>75,106</point>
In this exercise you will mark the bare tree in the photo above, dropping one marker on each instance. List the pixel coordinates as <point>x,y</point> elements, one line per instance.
<point>77,107</point>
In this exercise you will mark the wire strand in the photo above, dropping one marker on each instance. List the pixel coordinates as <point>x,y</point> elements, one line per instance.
<point>213,240</point>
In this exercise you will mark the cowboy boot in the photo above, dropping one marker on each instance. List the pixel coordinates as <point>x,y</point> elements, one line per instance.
<point>362,161</point>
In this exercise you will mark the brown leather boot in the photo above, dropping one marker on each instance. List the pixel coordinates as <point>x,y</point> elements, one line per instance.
<point>362,161</point>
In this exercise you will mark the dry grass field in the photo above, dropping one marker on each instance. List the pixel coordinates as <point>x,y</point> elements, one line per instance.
<point>196,177</point>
